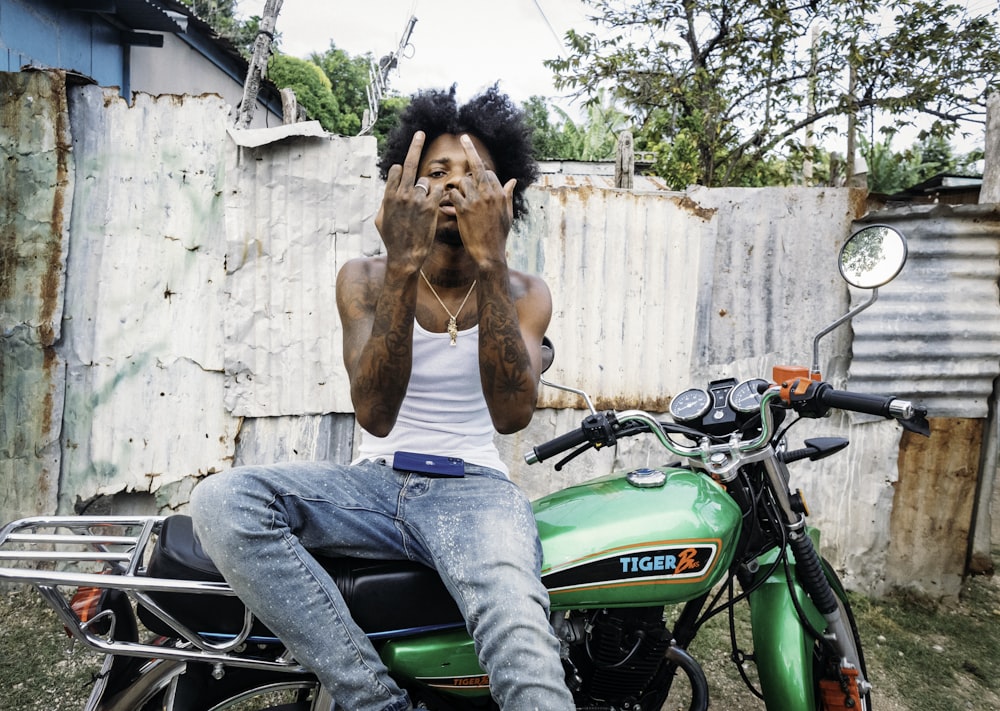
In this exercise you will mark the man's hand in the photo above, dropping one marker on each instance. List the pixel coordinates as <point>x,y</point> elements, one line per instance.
<point>407,219</point>
<point>484,209</point>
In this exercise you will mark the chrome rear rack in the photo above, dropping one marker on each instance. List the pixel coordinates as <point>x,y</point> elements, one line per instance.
<point>111,552</point>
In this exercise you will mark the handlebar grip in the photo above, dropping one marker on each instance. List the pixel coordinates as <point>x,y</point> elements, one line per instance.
<point>880,405</point>
<point>560,444</point>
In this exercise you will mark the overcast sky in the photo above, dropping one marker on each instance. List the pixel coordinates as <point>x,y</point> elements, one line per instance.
<point>473,43</point>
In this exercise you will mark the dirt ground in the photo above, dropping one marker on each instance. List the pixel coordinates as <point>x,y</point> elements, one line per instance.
<point>918,656</point>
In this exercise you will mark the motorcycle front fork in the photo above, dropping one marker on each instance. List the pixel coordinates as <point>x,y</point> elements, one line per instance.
<point>810,574</point>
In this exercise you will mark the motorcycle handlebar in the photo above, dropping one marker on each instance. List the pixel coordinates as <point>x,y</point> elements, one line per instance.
<point>858,402</point>
<point>603,429</point>
<point>600,429</point>
<point>879,405</point>
<point>560,444</point>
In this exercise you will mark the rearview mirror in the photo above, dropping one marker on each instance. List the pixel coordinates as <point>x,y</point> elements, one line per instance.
<point>873,256</point>
<point>548,353</point>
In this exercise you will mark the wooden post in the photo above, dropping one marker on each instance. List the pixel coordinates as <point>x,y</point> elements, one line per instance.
<point>984,528</point>
<point>624,161</point>
<point>258,63</point>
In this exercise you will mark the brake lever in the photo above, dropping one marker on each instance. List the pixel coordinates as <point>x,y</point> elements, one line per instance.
<point>917,423</point>
<point>572,455</point>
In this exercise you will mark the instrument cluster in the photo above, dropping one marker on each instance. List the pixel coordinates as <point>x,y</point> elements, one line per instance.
<point>721,408</point>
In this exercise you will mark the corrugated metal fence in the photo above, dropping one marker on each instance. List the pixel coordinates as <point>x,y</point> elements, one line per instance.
<point>167,310</point>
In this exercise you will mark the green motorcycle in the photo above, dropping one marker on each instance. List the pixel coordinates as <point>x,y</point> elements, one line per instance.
<point>635,564</point>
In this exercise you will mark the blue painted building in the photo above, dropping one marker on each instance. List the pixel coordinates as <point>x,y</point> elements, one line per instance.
<point>151,46</point>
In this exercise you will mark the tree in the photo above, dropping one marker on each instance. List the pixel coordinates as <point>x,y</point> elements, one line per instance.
<point>311,86</point>
<point>594,139</point>
<point>348,79</point>
<point>331,86</point>
<point>550,141</point>
<point>889,172</point>
<point>220,15</point>
<point>720,86</point>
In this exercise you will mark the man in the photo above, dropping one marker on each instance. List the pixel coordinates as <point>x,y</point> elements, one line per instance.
<point>442,343</point>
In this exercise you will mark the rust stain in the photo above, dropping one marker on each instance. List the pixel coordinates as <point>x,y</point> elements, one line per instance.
<point>50,367</point>
<point>689,205</point>
<point>567,401</point>
<point>933,501</point>
<point>11,91</point>
<point>19,120</point>
<point>51,282</point>
<point>37,173</point>
<point>858,200</point>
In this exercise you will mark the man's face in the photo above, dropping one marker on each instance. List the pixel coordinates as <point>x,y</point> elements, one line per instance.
<point>444,162</point>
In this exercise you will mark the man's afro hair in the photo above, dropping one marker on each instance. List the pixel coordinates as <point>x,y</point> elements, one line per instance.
<point>491,117</point>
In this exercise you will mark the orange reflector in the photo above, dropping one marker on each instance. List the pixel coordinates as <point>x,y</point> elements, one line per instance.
<point>86,604</point>
<point>835,697</point>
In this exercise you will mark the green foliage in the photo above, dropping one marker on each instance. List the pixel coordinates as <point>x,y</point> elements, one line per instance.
<point>311,87</point>
<point>332,87</point>
<point>221,16</point>
<point>721,91</point>
<point>595,139</point>
<point>889,172</point>
<point>348,79</point>
<point>388,116</point>
<point>550,141</point>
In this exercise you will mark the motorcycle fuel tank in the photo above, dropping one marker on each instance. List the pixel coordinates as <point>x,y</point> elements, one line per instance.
<point>649,537</point>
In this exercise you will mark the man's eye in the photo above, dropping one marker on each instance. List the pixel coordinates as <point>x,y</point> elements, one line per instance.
<point>436,174</point>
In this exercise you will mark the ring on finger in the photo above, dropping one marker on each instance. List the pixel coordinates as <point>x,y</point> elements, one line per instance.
<point>422,187</point>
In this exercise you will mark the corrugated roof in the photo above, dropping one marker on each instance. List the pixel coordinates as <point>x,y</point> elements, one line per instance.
<point>145,15</point>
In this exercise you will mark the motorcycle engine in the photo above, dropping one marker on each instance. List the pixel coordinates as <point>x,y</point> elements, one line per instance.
<point>618,653</point>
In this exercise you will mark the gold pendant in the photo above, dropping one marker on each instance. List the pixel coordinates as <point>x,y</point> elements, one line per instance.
<point>453,330</point>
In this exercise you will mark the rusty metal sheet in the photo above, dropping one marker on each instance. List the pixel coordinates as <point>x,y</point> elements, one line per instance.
<point>933,508</point>
<point>143,339</point>
<point>655,293</point>
<point>296,210</point>
<point>624,273</point>
<point>934,333</point>
<point>36,182</point>
<point>199,309</point>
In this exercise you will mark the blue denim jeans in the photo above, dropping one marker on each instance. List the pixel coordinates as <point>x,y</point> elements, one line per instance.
<point>259,524</point>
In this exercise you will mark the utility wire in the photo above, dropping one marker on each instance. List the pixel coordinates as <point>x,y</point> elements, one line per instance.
<point>548,24</point>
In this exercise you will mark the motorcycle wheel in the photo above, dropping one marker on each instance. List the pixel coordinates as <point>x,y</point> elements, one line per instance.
<point>846,613</point>
<point>196,690</point>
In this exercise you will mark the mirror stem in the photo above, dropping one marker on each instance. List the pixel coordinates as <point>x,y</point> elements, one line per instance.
<point>566,388</point>
<point>846,317</point>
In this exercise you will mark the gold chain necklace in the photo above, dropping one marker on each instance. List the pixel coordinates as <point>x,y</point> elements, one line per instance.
<point>452,317</point>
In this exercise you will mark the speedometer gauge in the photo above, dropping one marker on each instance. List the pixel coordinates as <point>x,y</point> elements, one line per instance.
<point>690,405</point>
<point>745,397</point>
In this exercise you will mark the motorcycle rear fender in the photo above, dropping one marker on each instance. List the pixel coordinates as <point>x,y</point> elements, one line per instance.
<point>782,646</point>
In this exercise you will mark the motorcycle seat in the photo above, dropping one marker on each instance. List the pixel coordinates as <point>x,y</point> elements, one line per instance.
<point>386,597</point>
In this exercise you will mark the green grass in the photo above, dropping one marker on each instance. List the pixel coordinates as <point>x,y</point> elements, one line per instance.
<point>942,658</point>
<point>40,667</point>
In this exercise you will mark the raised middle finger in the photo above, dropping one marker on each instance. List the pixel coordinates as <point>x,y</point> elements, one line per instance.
<point>412,161</point>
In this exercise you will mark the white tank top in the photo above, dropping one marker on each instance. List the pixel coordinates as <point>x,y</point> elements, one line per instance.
<point>444,411</point>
